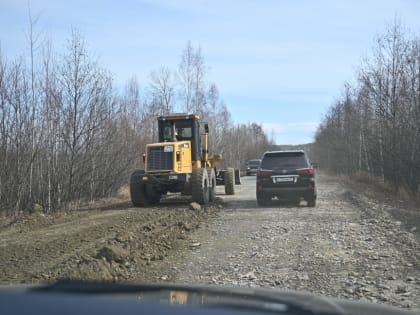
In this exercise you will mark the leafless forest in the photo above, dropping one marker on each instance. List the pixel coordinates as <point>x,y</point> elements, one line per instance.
<point>373,129</point>
<point>69,134</point>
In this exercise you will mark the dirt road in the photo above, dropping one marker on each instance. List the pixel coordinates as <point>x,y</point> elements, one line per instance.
<point>348,246</point>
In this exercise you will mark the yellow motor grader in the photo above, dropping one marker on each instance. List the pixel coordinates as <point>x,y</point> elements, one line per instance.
<point>180,162</point>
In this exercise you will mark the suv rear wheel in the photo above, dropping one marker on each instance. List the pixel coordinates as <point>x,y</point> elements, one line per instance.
<point>311,202</point>
<point>261,199</point>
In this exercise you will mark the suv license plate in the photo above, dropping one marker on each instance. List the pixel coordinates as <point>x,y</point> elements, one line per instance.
<point>283,179</point>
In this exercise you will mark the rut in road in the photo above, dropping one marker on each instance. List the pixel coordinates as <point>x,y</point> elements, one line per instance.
<point>337,248</point>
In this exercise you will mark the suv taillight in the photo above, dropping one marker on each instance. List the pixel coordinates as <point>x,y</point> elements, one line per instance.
<point>306,171</point>
<point>261,172</point>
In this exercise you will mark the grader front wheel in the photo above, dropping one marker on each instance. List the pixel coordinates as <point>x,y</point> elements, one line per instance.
<point>200,186</point>
<point>142,194</point>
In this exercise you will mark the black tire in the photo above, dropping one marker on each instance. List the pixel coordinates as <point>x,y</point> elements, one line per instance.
<point>212,184</point>
<point>200,186</point>
<point>261,199</point>
<point>135,190</point>
<point>142,194</point>
<point>311,202</point>
<point>237,177</point>
<point>230,181</point>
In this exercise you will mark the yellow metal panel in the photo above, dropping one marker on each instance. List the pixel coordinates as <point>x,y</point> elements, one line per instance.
<point>214,160</point>
<point>196,164</point>
<point>185,164</point>
<point>160,144</point>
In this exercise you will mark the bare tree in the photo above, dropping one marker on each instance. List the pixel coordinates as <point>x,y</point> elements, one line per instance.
<point>192,73</point>
<point>163,89</point>
<point>66,135</point>
<point>378,121</point>
<point>85,89</point>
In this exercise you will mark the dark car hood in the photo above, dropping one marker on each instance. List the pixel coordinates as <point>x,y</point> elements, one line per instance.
<point>157,297</point>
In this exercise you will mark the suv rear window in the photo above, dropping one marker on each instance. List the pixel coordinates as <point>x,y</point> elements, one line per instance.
<point>278,160</point>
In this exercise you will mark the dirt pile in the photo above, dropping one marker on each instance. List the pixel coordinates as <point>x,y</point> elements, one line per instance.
<point>115,245</point>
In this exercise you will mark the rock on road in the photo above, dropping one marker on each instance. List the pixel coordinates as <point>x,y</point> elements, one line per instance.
<point>343,247</point>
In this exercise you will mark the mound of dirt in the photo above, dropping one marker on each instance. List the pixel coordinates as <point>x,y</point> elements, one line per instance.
<point>114,243</point>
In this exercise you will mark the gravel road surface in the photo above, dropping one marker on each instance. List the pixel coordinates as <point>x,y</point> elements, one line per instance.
<point>348,246</point>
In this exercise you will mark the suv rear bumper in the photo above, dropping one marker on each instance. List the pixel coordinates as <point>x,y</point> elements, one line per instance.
<point>287,192</point>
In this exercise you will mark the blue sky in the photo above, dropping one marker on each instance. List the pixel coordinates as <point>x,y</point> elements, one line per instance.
<point>280,63</point>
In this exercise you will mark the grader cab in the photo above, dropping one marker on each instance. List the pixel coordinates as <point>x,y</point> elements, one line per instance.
<point>180,162</point>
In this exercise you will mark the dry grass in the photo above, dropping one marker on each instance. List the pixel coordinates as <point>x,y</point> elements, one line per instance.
<point>124,192</point>
<point>122,197</point>
<point>376,188</point>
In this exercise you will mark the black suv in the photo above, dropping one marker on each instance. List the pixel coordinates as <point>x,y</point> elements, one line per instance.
<point>252,166</point>
<point>286,175</point>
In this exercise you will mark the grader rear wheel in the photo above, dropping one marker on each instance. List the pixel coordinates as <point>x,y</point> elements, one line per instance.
<point>212,184</point>
<point>230,181</point>
<point>200,186</point>
<point>238,177</point>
